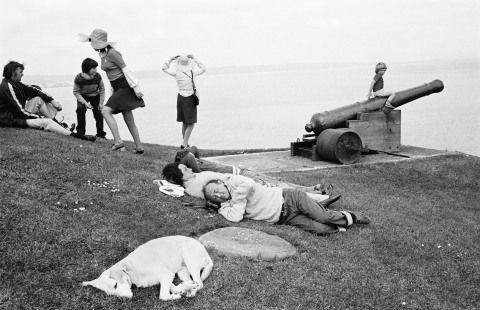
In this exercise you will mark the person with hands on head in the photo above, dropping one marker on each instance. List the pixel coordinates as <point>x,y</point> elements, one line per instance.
<point>238,197</point>
<point>184,68</point>
<point>89,91</point>
<point>126,96</point>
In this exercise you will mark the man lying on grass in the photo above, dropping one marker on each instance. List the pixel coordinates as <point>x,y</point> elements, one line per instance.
<point>238,197</point>
<point>16,96</point>
<point>190,157</point>
<point>193,183</point>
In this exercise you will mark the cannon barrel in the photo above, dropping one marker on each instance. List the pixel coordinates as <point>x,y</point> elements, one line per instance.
<point>336,117</point>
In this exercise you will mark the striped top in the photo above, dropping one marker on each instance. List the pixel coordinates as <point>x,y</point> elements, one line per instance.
<point>84,85</point>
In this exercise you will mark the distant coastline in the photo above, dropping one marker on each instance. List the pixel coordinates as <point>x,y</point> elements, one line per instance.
<point>66,80</point>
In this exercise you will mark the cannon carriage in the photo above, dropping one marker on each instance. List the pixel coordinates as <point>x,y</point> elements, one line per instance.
<point>343,134</point>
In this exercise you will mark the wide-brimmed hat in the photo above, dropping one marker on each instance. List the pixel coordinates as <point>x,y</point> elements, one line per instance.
<point>98,39</point>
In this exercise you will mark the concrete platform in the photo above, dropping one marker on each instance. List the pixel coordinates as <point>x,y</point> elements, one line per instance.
<point>282,161</point>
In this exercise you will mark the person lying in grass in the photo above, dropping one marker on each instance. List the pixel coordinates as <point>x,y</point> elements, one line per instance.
<point>193,183</point>
<point>190,157</point>
<point>239,197</point>
<point>15,97</point>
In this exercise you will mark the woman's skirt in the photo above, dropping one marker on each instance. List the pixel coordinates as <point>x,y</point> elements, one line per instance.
<point>123,98</point>
<point>186,109</point>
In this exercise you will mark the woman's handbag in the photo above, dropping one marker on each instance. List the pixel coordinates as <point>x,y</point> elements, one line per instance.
<point>196,100</point>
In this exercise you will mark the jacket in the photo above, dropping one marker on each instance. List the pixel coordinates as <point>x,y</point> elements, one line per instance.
<point>13,96</point>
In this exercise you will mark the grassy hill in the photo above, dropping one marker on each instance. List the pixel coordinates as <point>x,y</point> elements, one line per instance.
<point>420,252</point>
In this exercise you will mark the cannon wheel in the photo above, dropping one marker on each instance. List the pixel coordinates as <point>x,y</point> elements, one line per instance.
<point>339,145</point>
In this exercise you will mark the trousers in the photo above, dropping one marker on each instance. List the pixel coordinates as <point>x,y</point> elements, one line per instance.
<point>305,213</point>
<point>48,125</point>
<point>97,115</point>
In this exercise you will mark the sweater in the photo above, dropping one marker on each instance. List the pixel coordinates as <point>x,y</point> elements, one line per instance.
<point>251,200</point>
<point>112,63</point>
<point>13,97</point>
<point>88,87</point>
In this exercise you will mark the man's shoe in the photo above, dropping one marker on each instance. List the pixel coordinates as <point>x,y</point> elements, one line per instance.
<point>194,150</point>
<point>359,218</point>
<point>83,137</point>
<point>90,138</point>
<point>324,189</point>
<point>327,202</point>
<point>72,127</point>
<point>102,136</point>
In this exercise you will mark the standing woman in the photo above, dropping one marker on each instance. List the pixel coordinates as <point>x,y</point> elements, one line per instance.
<point>126,91</point>
<point>185,68</point>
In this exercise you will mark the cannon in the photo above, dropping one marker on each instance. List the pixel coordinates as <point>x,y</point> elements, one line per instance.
<point>342,134</point>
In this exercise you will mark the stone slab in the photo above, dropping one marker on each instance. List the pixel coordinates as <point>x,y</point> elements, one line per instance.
<point>279,161</point>
<point>250,243</point>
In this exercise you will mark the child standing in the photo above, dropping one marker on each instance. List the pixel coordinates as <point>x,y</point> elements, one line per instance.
<point>376,88</point>
<point>89,90</point>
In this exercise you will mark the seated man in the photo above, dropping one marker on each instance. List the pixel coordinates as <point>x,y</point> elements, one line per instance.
<point>239,197</point>
<point>13,97</point>
<point>193,183</point>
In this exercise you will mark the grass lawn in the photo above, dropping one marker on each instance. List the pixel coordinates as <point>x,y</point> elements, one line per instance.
<point>422,250</point>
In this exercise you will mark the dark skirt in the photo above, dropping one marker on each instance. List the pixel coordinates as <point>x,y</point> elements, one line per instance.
<point>186,109</point>
<point>123,98</point>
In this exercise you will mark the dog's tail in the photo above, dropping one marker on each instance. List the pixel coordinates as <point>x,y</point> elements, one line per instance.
<point>207,270</point>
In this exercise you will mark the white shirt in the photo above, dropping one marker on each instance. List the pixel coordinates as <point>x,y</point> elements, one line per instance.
<point>183,75</point>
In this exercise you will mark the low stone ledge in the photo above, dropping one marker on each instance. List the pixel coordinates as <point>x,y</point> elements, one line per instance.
<point>243,242</point>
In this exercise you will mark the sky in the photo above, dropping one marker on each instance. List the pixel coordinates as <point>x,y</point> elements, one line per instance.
<point>43,34</point>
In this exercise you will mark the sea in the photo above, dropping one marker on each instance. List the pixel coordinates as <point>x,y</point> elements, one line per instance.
<point>268,106</point>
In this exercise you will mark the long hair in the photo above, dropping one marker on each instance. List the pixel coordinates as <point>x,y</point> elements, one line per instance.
<point>173,174</point>
<point>10,68</point>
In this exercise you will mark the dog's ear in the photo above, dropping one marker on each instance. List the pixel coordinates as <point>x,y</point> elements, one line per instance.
<point>117,275</point>
<point>125,275</point>
<point>121,276</point>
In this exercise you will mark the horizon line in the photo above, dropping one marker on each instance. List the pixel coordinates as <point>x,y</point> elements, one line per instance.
<point>292,65</point>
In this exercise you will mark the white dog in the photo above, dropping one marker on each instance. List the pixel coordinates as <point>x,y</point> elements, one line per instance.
<point>157,261</point>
